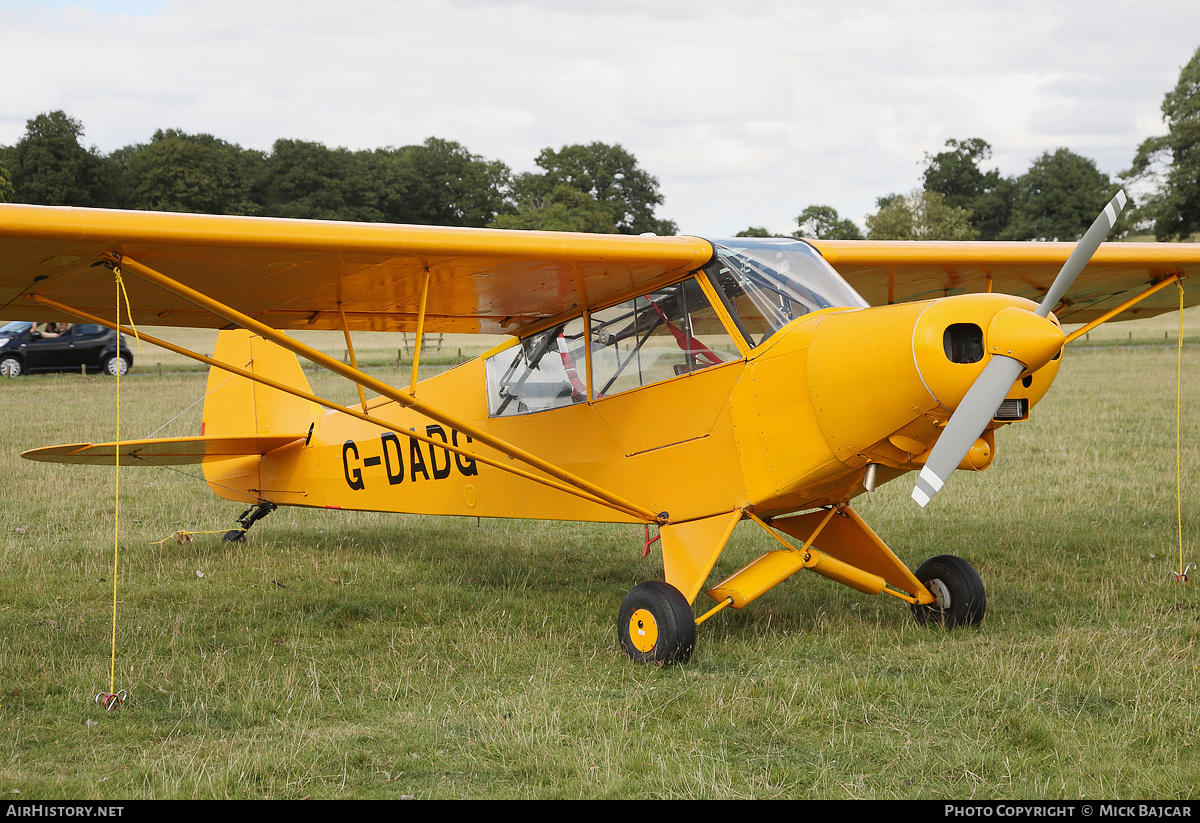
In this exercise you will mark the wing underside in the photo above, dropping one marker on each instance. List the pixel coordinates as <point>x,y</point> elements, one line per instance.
<point>311,274</point>
<point>886,272</point>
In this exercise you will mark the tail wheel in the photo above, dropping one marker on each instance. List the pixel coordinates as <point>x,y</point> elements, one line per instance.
<point>958,594</point>
<point>655,624</point>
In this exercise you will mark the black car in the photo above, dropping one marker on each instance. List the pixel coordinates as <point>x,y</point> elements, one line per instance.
<point>34,347</point>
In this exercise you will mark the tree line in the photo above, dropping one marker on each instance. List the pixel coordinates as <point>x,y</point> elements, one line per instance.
<point>595,187</point>
<point>1057,198</point>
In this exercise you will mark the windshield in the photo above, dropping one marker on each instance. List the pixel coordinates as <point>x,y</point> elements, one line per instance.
<point>15,327</point>
<point>768,282</point>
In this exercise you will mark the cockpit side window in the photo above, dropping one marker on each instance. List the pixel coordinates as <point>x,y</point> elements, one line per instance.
<point>667,333</point>
<point>543,371</point>
<point>752,313</point>
<point>660,335</point>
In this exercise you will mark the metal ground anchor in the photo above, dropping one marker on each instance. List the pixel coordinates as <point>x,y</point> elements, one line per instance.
<point>1182,577</point>
<point>111,701</point>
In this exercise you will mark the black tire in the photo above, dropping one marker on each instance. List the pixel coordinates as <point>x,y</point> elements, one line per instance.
<point>655,624</point>
<point>234,536</point>
<point>11,367</point>
<point>114,364</point>
<point>960,600</point>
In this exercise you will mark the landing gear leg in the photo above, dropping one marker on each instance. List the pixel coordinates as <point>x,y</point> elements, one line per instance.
<point>249,517</point>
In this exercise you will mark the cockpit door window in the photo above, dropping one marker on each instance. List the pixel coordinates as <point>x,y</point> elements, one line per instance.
<point>660,335</point>
<point>663,334</point>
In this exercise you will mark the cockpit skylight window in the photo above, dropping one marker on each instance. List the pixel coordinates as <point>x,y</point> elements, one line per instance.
<point>766,283</point>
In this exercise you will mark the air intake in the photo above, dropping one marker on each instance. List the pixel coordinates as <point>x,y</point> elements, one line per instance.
<point>963,343</point>
<point>1013,409</point>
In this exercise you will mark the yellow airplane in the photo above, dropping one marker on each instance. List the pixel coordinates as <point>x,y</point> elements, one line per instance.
<point>675,382</point>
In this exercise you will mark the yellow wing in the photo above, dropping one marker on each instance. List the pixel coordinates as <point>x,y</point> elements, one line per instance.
<point>303,274</point>
<point>298,274</point>
<point>886,272</point>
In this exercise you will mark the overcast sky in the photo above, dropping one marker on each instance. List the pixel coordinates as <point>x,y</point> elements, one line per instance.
<point>745,110</point>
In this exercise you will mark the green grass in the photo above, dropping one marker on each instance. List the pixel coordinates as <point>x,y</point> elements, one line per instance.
<point>366,655</point>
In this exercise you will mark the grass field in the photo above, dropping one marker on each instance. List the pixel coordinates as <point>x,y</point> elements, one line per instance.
<point>372,656</point>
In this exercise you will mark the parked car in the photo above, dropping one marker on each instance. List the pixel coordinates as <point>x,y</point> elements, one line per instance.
<point>39,347</point>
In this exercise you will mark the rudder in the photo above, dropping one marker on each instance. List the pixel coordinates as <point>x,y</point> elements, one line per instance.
<point>236,405</point>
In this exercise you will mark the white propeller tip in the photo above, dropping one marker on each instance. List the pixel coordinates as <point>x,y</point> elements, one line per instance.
<point>1114,208</point>
<point>928,484</point>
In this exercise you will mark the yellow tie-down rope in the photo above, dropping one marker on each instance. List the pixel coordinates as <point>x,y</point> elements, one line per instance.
<point>182,537</point>
<point>113,698</point>
<point>1182,574</point>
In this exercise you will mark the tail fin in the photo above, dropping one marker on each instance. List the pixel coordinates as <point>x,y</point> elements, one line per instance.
<point>238,406</point>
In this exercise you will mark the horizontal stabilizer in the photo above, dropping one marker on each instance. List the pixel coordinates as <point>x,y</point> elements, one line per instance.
<point>167,451</point>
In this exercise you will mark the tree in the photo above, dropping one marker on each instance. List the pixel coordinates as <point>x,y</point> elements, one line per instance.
<point>186,173</point>
<point>6,188</point>
<point>436,183</point>
<point>956,174</point>
<point>823,223</point>
<point>1171,162</point>
<point>301,179</point>
<point>1058,198</point>
<point>754,231</point>
<point>562,209</point>
<point>922,215</point>
<point>611,176</point>
<point>50,167</point>
<point>441,183</point>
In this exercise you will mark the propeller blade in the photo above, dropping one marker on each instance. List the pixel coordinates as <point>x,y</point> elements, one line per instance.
<point>988,391</point>
<point>966,425</point>
<point>1082,253</point>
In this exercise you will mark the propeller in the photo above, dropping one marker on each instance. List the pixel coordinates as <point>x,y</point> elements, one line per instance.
<point>993,385</point>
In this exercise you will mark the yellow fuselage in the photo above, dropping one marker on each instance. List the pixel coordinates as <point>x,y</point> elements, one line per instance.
<point>791,426</point>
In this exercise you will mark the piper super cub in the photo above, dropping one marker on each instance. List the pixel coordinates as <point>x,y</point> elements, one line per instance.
<point>677,382</point>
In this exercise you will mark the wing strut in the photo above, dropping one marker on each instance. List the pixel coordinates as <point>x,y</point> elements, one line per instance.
<point>1133,301</point>
<point>562,480</point>
<point>329,404</point>
<point>412,389</point>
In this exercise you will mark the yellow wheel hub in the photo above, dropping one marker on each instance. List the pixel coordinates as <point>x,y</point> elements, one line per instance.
<point>643,631</point>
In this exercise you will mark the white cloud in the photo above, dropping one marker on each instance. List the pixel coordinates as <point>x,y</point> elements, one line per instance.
<point>745,112</point>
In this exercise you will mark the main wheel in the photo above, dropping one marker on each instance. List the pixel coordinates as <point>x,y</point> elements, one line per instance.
<point>655,624</point>
<point>116,364</point>
<point>10,366</point>
<point>957,590</point>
